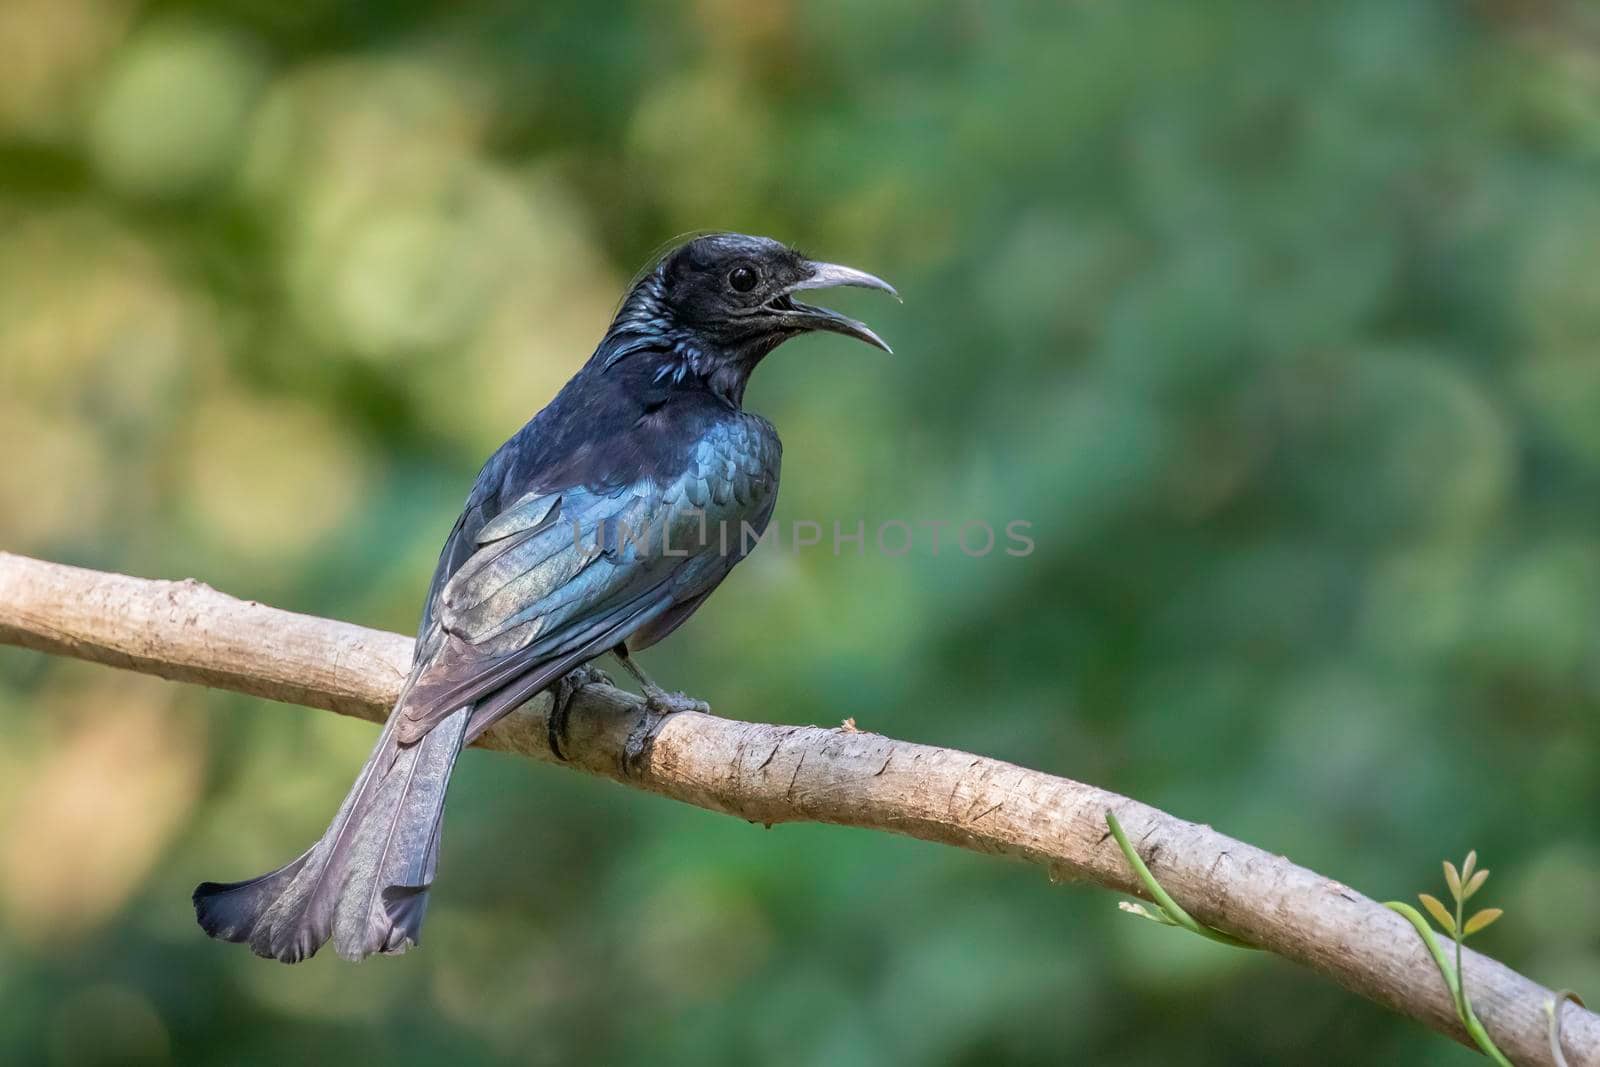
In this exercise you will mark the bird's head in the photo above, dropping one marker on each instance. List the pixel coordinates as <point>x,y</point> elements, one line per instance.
<point>713,307</point>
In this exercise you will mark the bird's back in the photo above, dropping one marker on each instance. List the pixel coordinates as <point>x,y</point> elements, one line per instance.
<point>606,520</point>
<point>675,446</point>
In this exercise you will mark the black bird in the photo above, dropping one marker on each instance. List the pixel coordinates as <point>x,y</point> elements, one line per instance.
<point>596,528</point>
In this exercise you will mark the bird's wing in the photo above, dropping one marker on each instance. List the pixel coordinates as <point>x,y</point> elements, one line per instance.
<point>481,511</point>
<point>554,580</point>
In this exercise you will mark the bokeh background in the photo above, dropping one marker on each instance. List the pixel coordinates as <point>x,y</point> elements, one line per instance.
<point>1277,321</point>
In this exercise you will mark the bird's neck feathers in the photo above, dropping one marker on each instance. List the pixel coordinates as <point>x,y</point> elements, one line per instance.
<point>647,342</point>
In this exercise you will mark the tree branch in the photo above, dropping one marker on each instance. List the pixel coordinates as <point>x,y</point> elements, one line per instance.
<point>188,632</point>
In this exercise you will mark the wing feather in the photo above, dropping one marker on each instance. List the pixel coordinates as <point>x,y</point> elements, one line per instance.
<point>560,577</point>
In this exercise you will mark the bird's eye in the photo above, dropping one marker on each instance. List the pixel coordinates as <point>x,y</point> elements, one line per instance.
<point>742,279</point>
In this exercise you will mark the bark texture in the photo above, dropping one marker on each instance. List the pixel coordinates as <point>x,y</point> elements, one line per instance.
<point>188,632</point>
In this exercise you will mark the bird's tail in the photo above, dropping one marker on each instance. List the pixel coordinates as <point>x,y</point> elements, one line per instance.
<point>365,883</point>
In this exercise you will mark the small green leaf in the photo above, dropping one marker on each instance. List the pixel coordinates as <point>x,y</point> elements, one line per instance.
<point>1475,883</point>
<point>1452,879</point>
<point>1143,912</point>
<point>1470,865</point>
<point>1480,920</point>
<point>1440,913</point>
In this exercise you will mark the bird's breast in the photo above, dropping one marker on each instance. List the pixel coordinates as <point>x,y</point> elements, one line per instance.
<point>730,482</point>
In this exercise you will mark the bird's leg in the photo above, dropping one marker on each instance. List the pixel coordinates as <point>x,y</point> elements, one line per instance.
<point>663,701</point>
<point>658,704</point>
<point>562,694</point>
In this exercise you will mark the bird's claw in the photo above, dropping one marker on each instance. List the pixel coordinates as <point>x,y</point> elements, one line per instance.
<point>566,688</point>
<point>658,705</point>
<point>664,703</point>
<point>595,675</point>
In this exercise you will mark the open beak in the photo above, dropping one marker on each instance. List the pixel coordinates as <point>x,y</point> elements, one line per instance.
<point>827,276</point>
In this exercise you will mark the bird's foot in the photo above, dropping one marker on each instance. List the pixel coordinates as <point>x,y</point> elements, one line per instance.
<point>664,703</point>
<point>658,704</point>
<point>565,690</point>
<point>594,674</point>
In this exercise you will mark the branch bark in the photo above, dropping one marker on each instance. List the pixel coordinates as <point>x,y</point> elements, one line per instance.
<point>188,632</point>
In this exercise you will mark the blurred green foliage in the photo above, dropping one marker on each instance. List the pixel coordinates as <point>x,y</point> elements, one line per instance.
<point>1277,320</point>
